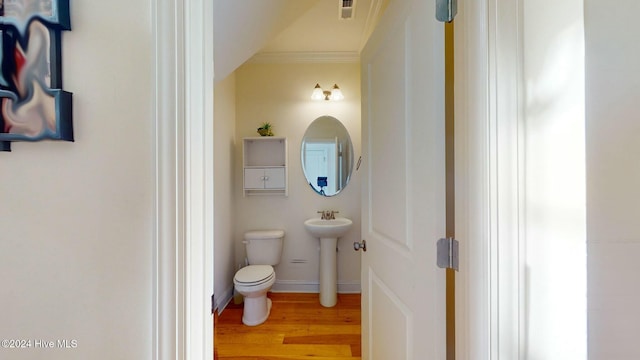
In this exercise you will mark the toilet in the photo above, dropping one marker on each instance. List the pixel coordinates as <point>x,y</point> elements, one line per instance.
<point>264,249</point>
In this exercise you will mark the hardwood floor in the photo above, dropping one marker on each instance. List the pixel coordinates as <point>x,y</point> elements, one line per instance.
<point>298,328</point>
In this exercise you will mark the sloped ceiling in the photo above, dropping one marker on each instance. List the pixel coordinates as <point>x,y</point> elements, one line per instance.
<point>283,28</point>
<point>321,29</point>
<point>243,27</point>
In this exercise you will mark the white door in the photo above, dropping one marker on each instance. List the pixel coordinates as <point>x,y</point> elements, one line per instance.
<point>403,206</point>
<point>318,163</point>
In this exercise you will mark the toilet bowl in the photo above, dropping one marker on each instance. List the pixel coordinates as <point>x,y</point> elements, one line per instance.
<point>264,249</point>
<point>253,282</point>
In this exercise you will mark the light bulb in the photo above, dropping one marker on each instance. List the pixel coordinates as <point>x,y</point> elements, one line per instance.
<point>336,93</point>
<point>317,93</point>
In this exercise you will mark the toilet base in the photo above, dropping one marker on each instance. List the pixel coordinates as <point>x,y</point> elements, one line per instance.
<point>256,310</point>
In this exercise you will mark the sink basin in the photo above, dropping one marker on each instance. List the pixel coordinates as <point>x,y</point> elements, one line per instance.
<point>328,231</point>
<point>328,228</point>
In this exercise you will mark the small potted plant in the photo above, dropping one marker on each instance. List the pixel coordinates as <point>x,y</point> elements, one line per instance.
<point>265,129</point>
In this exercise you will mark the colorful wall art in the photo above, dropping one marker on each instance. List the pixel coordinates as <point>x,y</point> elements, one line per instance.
<point>33,106</point>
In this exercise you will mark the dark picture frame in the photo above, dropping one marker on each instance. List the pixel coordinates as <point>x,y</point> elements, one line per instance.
<point>33,105</point>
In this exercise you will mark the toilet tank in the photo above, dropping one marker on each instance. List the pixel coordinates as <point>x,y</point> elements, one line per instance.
<point>264,247</point>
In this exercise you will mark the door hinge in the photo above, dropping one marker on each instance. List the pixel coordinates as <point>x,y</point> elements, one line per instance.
<point>213,305</point>
<point>446,10</point>
<point>448,254</point>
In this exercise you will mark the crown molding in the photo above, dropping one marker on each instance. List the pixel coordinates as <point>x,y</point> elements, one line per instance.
<point>306,57</point>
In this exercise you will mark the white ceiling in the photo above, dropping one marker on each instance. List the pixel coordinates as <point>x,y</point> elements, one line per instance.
<point>321,29</point>
<point>244,28</point>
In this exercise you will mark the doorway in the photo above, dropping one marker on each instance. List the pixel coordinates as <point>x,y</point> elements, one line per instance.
<point>484,283</point>
<point>391,186</point>
<point>321,162</point>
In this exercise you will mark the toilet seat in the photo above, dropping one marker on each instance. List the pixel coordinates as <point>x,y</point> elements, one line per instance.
<point>254,275</point>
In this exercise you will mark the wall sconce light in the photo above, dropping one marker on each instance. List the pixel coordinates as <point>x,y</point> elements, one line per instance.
<point>334,94</point>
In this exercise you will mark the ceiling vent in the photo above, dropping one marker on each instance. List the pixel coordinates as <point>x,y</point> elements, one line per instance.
<point>347,9</point>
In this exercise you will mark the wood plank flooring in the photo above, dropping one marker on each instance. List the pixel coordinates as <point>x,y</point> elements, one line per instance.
<point>298,328</point>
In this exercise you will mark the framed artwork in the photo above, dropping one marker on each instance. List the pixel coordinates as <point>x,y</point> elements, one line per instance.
<point>33,105</point>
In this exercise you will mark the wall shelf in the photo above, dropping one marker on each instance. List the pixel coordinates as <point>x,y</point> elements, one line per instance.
<point>264,161</point>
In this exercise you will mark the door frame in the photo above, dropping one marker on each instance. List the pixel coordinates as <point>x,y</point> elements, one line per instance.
<point>488,90</point>
<point>181,319</point>
<point>183,272</point>
<point>471,187</point>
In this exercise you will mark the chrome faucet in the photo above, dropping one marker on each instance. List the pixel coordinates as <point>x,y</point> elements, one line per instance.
<point>328,214</point>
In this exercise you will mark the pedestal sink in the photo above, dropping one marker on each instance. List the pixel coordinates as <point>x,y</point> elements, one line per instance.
<point>328,231</point>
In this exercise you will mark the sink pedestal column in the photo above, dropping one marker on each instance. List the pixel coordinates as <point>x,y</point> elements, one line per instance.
<point>328,231</point>
<point>328,272</point>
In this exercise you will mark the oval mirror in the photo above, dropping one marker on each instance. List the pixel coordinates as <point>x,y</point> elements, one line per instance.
<point>327,156</point>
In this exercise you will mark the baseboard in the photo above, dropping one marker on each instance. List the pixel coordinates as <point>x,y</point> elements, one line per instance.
<point>349,288</point>
<point>297,286</point>
<point>223,300</point>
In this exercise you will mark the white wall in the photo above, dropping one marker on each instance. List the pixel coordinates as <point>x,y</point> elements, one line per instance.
<point>613,175</point>
<point>76,219</point>
<point>280,93</point>
<point>224,188</point>
<point>553,206</point>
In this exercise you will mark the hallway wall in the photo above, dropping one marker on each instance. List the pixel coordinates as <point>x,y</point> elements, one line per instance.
<point>553,214</point>
<point>77,219</point>
<point>613,175</point>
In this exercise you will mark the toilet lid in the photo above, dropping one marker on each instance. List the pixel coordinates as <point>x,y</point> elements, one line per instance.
<point>253,274</point>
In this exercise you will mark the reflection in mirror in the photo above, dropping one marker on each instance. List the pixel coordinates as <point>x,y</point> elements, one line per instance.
<point>327,156</point>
